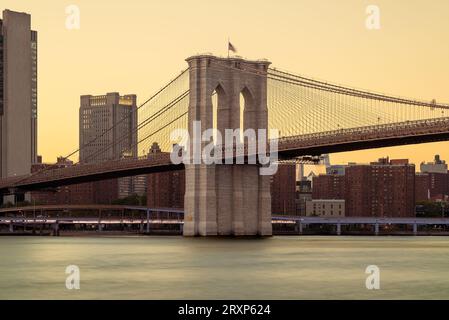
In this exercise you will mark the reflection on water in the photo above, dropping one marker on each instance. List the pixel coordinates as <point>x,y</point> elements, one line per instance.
<point>178,268</point>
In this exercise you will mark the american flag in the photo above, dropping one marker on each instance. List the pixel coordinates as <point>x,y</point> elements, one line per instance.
<point>231,47</point>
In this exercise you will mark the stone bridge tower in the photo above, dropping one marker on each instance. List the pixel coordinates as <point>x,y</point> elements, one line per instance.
<point>227,200</point>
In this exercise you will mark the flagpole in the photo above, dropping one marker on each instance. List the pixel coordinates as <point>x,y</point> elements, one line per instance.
<point>228,46</point>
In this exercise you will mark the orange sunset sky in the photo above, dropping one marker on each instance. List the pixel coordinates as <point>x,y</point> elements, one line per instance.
<point>136,46</point>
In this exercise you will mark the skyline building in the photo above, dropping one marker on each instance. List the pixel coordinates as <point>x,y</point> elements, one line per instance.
<point>165,189</point>
<point>18,94</point>
<point>98,142</point>
<point>437,166</point>
<point>283,189</point>
<point>97,115</point>
<point>385,188</point>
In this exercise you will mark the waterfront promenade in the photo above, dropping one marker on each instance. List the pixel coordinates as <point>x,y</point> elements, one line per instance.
<point>57,220</point>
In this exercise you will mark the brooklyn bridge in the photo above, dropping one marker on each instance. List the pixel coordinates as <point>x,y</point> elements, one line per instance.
<point>312,117</point>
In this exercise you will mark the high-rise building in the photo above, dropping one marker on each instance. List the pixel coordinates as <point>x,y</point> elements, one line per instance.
<point>382,189</point>
<point>108,131</point>
<point>134,185</point>
<point>283,189</point>
<point>431,186</point>
<point>165,189</point>
<point>18,94</point>
<point>437,166</point>
<point>97,115</point>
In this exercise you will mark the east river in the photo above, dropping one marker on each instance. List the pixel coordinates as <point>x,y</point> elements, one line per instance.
<point>308,267</point>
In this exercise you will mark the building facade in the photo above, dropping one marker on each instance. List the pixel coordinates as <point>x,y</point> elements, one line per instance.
<point>97,115</point>
<point>303,194</point>
<point>165,189</point>
<point>432,183</point>
<point>336,169</point>
<point>437,166</point>
<point>283,190</point>
<point>98,192</point>
<point>430,186</point>
<point>329,186</point>
<point>325,208</point>
<point>108,131</point>
<point>18,94</point>
<point>382,189</point>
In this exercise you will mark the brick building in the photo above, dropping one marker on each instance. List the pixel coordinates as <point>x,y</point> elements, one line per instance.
<point>381,189</point>
<point>433,181</point>
<point>326,208</point>
<point>358,190</point>
<point>99,192</point>
<point>283,189</point>
<point>166,189</point>
<point>328,187</point>
<point>432,185</point>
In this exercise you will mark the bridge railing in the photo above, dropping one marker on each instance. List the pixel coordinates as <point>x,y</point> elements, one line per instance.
<point>369,132</point>
<point>154,159</point>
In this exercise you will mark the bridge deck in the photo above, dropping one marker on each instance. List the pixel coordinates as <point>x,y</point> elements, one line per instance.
<point>409,132</point>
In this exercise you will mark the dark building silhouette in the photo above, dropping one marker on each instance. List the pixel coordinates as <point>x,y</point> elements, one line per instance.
<point>283,190</point>
<point>165,189</point>
<point>98,192</point>
<point>431,186</point>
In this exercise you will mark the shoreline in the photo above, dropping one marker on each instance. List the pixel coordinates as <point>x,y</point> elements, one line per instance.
<point>105,234</point>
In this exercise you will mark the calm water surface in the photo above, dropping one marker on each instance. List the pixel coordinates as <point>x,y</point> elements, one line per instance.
<point>178,268</point>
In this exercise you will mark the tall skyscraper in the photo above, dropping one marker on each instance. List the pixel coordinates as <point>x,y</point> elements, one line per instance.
<point>96,116</point>
<point>98,142</point>
<point>18,94</point>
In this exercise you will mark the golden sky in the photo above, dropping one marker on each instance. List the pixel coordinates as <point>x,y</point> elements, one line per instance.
<point>135,46</point>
